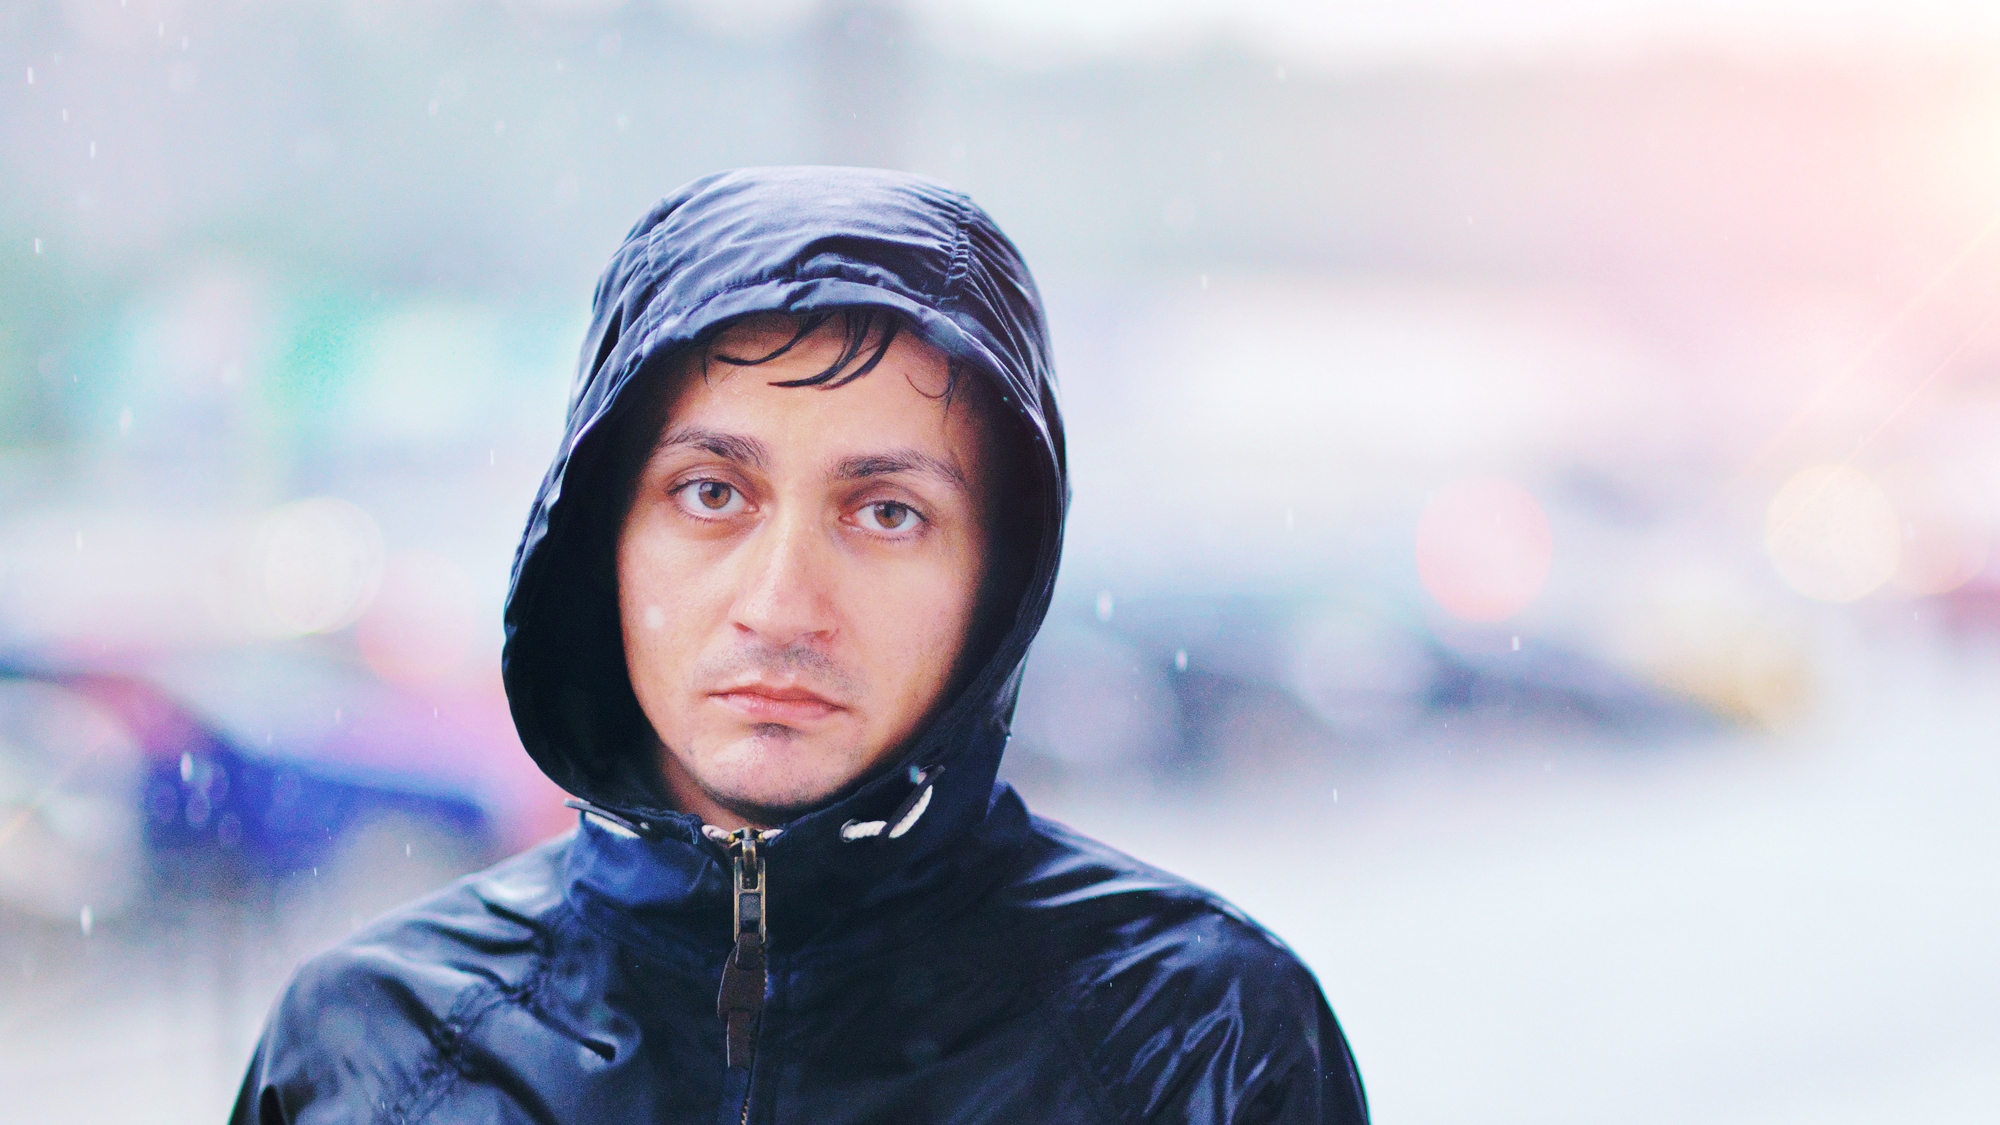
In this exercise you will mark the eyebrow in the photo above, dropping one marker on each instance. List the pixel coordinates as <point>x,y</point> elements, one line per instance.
<point>901,461</point>
<point>749,451</point>
<point>731,447</point>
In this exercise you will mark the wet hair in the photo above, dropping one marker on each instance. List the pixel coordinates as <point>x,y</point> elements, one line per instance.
<point>858,328</point>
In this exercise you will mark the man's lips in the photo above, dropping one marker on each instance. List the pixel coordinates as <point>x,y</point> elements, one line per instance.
<point>769,704</point>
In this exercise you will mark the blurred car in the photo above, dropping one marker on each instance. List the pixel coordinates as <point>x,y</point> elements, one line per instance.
<point>255,766</point>
<point>1190,683</point>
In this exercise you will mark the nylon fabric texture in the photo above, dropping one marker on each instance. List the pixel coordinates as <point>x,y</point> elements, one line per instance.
<point>984,964</point>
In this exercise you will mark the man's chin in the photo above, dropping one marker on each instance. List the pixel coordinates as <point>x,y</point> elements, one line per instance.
<point>763,788</point>
<point>757,805</point>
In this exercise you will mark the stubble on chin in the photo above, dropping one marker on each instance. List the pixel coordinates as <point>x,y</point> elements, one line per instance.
<point>742,777</point>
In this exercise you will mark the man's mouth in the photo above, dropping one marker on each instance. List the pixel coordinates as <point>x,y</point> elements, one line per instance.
<point>768,703</point>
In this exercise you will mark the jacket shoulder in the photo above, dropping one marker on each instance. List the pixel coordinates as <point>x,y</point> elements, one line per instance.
<point>1096,901</point>
<point>1191,1009</point>
<point>372,1024</point>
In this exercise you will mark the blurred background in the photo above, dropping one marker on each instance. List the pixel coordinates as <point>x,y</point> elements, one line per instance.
<point>1535,487</point>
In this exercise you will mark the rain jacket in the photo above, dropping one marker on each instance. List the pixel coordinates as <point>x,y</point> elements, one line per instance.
<point>924,949</point>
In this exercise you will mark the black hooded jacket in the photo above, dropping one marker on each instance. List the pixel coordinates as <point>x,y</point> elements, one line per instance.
<point>922,950</point>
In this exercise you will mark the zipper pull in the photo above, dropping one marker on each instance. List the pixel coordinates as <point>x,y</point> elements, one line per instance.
<point>740,1003</point>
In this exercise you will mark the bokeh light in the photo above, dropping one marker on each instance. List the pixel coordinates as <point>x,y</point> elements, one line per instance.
<point>1832,534</point>
<point>1484,548</point>
<point>69,825</point>
<point>320,562</point>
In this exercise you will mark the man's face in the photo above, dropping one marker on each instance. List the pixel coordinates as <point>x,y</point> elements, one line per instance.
<point>798,571</point>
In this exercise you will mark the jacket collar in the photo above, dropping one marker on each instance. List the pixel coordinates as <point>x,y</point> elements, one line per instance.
<point>652,879</point>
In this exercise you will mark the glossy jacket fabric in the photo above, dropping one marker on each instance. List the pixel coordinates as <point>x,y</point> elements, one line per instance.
<point>935,952</point>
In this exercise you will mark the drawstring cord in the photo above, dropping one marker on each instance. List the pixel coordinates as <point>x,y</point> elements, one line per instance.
<point>906,815</point>
<point>618,823</point>
<point>923,783</point>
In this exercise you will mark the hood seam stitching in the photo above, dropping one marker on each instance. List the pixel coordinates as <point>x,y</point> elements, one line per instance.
<point>960,263</point>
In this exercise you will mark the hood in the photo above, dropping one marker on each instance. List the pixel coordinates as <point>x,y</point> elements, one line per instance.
<point>795,240</point>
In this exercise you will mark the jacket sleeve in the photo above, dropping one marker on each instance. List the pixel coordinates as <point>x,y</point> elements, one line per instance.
<point>1262,1047</point>
<point>256,1101</point>
<point>1321,1086</point>
<point>1211,1020</point>
<point>354,1036</point>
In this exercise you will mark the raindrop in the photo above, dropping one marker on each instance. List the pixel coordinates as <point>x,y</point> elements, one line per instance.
<point>65,115</point>
<point>1104,606</point>
<point>38,246</point>
<point>31,76</point>
<point>187,767</point>
<point>1204,281</point>
<point>1517,644</point>
<point>86,921</point>
<point>1180,660</point>
<point>492,457</point>
<point>1336,795</point>
<point>1291,519</point>
<point>1281,74</point>
<point>499,127</point>
<point>93,150</point>
<point>406,848</point>
<point>125,421</point>
<point>623,121</point>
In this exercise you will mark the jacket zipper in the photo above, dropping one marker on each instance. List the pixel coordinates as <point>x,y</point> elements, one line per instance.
<point>740,1003</point>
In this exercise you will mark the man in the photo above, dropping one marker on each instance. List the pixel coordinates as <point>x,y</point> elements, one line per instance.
<point>767,624</point>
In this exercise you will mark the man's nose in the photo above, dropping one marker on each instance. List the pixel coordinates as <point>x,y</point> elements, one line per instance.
<point>786,597</point>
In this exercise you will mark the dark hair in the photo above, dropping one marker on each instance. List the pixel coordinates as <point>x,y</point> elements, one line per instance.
<point>857,326</point>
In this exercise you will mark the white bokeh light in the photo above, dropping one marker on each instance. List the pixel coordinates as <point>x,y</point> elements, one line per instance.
<point>1832,534</point>
<point>318,564</point>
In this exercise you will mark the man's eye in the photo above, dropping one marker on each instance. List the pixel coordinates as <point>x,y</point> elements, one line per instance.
<point>711,498</point>
<point>889,515</point>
